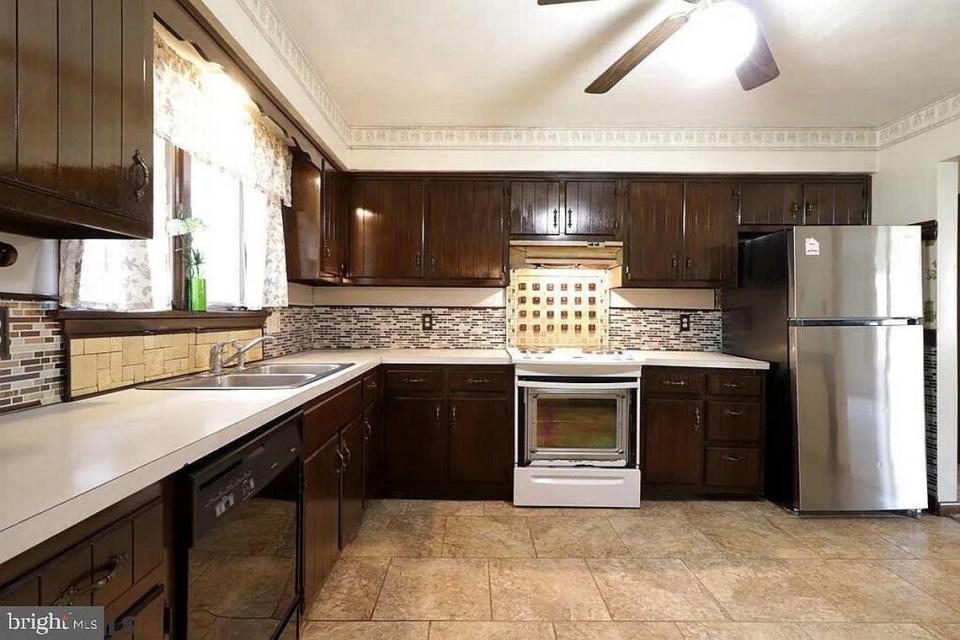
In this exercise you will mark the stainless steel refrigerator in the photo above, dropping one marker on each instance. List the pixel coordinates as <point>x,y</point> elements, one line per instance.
<point>838,313</point>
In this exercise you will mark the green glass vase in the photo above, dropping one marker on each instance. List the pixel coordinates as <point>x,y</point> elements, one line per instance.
<point>198,294</point>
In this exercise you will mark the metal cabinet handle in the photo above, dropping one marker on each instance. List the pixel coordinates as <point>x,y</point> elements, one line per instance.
<point>479,381</point>
<point>349,455</point>
<point>732,385</point>
<point>569,219</point>
<point>371,384</point>
<point>407,380</point>
<point>556,220</point>
<point>341,463</point>
<point>675,383</point>
<point>437,416</point>
<point>809,209</point>
<point>418,259</point>
<point>731,459</point>
<point>794,209</point>
<point>689,263</point>
<point>732,413</point>
<point>453,415</point>
<point>433,263</point>
<point>674,262</point>
<point>98,579</point>
<point>696,415</point>
<point>369,430</point>
<point>140,186</point>
<point>616,224</point>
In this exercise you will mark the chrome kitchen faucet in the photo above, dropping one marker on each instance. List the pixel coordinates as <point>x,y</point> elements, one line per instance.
<point>217,362</point>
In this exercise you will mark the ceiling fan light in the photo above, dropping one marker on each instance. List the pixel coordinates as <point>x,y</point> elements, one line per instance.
<point>716,40</point>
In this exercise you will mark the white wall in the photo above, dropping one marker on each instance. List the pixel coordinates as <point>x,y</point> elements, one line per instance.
<point>36,269</point>
<point>917,180</point>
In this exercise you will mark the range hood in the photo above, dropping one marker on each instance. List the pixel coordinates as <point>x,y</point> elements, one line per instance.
<point>568,254</point>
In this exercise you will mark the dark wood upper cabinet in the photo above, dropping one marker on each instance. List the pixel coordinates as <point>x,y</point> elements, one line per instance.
<point>76,118</point>
<point>465,231</point>
<point>386,230</point>
<point>336,199</point>
<point>710,233</point>
<point>303,222</point>
<point>835,203</point>
<point>771,203</point>
<point>535,208</point>
<point>591,208</point>
<point>654,238</point>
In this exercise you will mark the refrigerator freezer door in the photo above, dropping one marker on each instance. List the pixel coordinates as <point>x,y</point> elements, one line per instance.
<point>855,272</point>
<point>859,412</point>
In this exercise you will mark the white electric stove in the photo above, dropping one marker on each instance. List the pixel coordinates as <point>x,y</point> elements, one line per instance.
<point>577,437</point>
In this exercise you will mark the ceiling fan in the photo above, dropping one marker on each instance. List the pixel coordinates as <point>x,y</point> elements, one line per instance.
<point>756,69</point>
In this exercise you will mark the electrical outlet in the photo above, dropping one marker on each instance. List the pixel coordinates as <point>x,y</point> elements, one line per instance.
<point>426,321</point>
<point>684,322</point>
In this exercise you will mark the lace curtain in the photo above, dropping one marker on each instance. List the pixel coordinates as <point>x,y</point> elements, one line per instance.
<point>199,109</point>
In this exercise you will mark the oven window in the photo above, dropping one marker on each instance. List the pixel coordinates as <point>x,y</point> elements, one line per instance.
<point>576,423</point>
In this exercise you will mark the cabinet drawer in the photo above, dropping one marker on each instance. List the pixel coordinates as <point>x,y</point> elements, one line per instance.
<point>479,380</point>
<point>148,529</point>
<point>733,421</point>
<point>323,420</point>
<point>732,468</point>
<point>371,387</point>
<point>415,379</point>
<point>113,563</point>
<point>734,384</point>
<point>673,381</point>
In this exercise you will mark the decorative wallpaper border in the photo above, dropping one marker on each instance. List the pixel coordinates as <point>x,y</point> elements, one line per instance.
<point>270,23</point>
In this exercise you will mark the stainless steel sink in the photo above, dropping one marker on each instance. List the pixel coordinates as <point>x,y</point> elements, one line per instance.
<point>310,369</point>
<point>268,376</point>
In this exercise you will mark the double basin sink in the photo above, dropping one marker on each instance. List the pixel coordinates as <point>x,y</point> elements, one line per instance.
<point>264,376</point>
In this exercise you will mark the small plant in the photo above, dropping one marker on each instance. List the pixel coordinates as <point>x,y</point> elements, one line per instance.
<point>194,260</point>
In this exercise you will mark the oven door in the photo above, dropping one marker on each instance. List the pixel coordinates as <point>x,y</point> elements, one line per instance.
<point>577,423</point>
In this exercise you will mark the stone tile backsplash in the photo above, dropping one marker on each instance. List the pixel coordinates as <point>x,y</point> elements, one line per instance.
<point>102,364</point>
<point>33,375</point>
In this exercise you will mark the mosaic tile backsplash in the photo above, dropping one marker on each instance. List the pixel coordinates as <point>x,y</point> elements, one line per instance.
<point>293,329</point>
<point>400,328</point>
<point>659,329</point>
<point>33,375</point>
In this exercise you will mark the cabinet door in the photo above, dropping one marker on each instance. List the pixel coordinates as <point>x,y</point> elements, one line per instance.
<point>535,208</point>
<point>303,221</point>
<point>351,480</point>
<point>710,232</point>
<point>465,230</point>
<point>416,441</point>
<point>386,229</point>
<point>76,113</point>
<point>591,208</point>
<point>481,440</point>
<point>654,243</point>
<point>777,203</point>
<point>335,198</point>
<point>321,516</point>
<point>673,441</point>
<point>372,451</point>
<point>835,203</point>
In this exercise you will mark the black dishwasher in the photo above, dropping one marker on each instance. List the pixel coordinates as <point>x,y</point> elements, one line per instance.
<point>238,560</point>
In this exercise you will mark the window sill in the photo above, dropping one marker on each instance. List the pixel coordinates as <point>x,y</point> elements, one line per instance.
<point>83,323</point>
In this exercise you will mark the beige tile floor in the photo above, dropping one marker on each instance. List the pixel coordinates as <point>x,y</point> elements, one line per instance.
<point>434,570</point>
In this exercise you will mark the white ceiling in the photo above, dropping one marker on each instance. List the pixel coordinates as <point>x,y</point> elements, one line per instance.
<point>480,63</point>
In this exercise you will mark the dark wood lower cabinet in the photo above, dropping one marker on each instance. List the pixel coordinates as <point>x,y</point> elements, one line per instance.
<point>452,439</point>
<point>702,432</point>
<point>321,516</point>
<point>351,480</point>
<point>372,452</point>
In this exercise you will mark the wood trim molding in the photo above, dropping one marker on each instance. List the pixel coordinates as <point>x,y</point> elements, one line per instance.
<point>80,324</point>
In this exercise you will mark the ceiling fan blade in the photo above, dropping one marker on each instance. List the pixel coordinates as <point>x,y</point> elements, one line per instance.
<point>656,37</point>
<point>759,67</point>
<point>543,2</point>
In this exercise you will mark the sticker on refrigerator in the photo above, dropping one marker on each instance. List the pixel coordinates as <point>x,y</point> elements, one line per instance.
<point>811,246</point>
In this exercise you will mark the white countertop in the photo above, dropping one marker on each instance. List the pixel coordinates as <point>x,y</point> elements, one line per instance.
<point>61,464</point>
